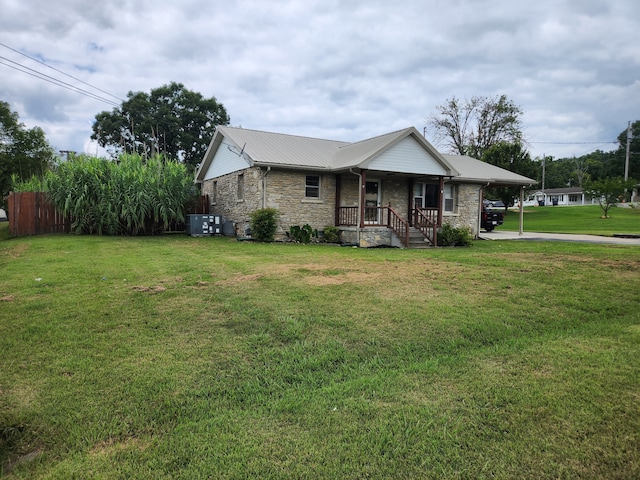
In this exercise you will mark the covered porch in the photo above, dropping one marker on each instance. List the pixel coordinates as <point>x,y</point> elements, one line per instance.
<point>376,208</point>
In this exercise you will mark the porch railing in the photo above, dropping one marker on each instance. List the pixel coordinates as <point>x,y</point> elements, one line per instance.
<point>348,216</point>
<point>377,216</point>
<point>426,220</point>
<point>398,225</point>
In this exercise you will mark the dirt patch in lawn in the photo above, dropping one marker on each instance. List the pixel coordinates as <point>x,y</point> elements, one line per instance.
<point>156,289</point>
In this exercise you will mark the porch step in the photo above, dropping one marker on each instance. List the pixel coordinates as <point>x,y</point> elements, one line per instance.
<point>417,239</point>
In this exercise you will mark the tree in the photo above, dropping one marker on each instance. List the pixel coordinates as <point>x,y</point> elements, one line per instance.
<point>472,126</point>
<point>171,120</point>
<point>23,152</point>
<point>608,192</point>
<point>581,169</point>
<point>512,157</point>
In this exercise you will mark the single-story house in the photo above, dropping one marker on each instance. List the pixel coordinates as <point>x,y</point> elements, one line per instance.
<point>561,196</point>
<point>394,189</point>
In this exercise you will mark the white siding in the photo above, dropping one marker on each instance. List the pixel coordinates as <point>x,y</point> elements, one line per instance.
<point>225,161</point>
<point>407,156</point>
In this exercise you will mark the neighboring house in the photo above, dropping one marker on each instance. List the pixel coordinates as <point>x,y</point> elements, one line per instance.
<point>395,189</point>
<point>561,196</point>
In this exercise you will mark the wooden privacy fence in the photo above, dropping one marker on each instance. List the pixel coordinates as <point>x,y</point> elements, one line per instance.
<point>31,213</point>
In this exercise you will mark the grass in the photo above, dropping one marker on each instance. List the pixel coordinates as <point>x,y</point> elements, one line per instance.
<point>578,220</point>
<point>180,357</point>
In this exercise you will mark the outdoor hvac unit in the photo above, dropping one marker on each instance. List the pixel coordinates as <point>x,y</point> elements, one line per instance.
<point>204,225</point>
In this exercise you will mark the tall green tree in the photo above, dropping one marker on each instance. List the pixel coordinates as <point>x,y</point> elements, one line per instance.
<point>23,152</point>
<point>170,120</point>
<point>472,126</point>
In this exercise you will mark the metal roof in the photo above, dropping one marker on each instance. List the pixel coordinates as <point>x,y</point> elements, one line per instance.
<point>291,151</point>
<point>278,149</point>
<point>473,170</point>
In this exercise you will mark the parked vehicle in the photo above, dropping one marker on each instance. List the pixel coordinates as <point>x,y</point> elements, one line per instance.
<point>491,219</point>
<point>493,203</point>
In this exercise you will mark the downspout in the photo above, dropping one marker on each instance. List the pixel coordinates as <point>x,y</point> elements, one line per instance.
<point>359,204</point>
<point>264,187</point>
<point>481,198</point>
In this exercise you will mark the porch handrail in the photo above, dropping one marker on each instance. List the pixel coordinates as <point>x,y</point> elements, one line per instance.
<point>348,216</point>
<point>398,225</point>
<point>426,220</point>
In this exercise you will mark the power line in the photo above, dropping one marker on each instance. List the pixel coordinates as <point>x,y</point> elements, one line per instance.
<point>63,73</point>
<point>50,79</point>
<point>572,143</point>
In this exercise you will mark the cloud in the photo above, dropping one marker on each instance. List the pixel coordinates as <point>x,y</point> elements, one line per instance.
<point>334,69</point>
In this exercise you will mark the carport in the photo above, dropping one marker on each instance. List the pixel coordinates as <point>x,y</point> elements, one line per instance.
<point>490,176</point>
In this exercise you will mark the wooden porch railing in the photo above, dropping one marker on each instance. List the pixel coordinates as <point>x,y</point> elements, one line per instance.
<point>348,216</point>
<point>426,220</point>
<point>398,225</point>
<point>377,216</point>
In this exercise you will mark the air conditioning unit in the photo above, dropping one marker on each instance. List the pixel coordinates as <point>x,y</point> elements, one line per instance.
<point>204,225</point>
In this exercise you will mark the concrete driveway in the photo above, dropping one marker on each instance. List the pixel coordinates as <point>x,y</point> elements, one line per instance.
<point>559,237</point>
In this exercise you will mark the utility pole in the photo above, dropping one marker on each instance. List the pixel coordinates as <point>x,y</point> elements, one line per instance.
<point>626,159</point>
<point>544,166</point>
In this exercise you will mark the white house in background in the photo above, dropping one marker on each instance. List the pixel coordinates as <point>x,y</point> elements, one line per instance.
<point>559,196</point>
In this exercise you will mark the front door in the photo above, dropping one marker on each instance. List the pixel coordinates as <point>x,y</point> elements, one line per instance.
<point>372,198</point>
<point>425,195</point>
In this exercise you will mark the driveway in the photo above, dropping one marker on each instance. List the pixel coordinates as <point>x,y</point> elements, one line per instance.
<point>559,237</point>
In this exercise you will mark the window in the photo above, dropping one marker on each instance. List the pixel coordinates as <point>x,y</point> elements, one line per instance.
<point>240,186</point>
<point>450,200</point>
<point>312,186</point>
<point>214,192</point>
<point>574,198</point>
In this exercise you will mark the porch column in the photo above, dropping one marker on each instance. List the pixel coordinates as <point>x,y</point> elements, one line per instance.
<point>410,201</point>
<point>521,219</point>
<point>440,201</point>
<point>336,213</point>
<point>363,185</point>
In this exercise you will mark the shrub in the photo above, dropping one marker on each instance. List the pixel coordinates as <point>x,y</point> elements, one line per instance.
<point>331,234</point>
<point>454,236</point>
<point>264,224</point>
<point>302,234</point>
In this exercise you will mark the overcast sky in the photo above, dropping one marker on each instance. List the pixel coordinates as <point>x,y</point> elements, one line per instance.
<point>335,69</point>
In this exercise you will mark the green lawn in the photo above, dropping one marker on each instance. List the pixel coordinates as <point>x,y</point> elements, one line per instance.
<point>579,220</point>
<point>180,357</point>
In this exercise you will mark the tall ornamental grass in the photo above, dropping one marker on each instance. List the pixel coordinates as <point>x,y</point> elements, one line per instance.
<point>133,196</point>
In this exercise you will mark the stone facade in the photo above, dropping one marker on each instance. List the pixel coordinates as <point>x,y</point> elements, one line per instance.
<point>225,201</point>
<point>284,190</point>
<point>466,214</point>
<point>286,193</point>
